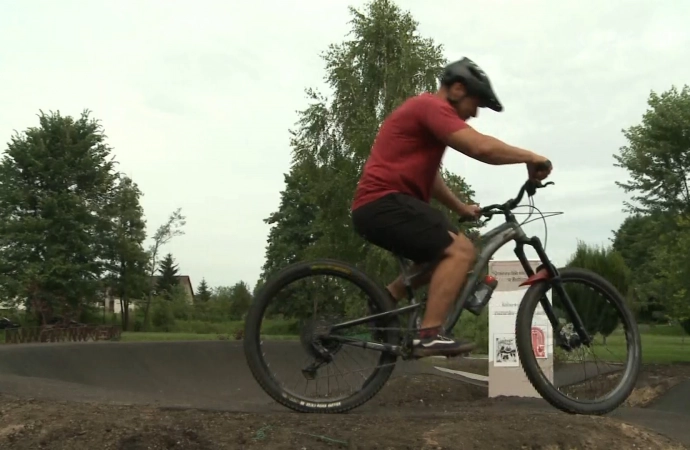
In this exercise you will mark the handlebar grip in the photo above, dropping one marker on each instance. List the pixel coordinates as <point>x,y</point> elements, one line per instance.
<point>544,166</point>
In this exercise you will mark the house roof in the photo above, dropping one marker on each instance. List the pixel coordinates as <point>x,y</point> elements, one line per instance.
<point>181,279</point>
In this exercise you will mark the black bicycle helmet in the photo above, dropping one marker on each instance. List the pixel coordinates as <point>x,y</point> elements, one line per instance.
<point>474,79</point>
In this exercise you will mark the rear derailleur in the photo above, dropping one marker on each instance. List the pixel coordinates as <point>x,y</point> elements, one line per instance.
<point>314,339</point>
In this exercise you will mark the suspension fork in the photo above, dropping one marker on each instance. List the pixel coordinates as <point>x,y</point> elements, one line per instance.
<point>557,285</point>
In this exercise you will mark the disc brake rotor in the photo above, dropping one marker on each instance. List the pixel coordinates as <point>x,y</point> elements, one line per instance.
<point>314,339</point>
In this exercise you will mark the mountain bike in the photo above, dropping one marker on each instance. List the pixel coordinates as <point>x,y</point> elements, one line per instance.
<point>321,338</point>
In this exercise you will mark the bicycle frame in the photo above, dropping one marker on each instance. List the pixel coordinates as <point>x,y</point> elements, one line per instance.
<point>492,240</point>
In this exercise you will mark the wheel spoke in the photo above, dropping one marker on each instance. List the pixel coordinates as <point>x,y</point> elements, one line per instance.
<point>330,310</point>
<point>602,312</point>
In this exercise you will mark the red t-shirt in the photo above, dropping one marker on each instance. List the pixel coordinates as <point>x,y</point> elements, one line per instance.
<point>408,149</point>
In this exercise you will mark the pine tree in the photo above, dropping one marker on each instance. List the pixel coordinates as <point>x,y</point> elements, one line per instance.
<point>240,300</point>
<point>168,276</point>
<point>203,292</point>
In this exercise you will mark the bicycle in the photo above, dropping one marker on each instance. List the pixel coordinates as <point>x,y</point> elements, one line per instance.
<point>321,341</point>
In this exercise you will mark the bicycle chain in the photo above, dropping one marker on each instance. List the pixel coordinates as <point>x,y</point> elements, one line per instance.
<point>384,328</point>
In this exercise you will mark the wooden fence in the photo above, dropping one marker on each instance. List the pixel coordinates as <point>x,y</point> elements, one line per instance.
<point>51,333</point>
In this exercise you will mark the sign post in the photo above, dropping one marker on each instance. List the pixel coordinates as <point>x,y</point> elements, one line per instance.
<point>506,377</point>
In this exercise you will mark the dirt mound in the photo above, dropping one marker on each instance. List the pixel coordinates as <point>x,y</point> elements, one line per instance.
<point>413,412</point>
<point>655,380</point>
<point>68,426</point>
<point>427,391</point>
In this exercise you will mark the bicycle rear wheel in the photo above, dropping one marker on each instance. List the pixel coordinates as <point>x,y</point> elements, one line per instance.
<point>618,328</point>
<point>378,301</point>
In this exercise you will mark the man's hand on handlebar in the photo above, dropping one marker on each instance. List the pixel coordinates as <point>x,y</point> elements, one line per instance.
<point>470,212</point>
<point>539,169</point>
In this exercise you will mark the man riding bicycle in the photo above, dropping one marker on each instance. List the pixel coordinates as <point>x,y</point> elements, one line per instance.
<point>391,207</point>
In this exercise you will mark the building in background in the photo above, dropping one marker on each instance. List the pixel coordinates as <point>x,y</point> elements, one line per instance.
<point>112,304</point>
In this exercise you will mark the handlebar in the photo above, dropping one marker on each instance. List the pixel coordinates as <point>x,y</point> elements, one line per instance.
<point>530,187</point>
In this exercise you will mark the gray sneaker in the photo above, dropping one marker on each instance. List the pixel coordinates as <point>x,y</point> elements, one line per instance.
<point>440,345</point>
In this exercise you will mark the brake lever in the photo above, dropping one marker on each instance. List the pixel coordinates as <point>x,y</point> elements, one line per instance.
<point>481,223</point>
<point>532,186</point>
<point>478,221</point>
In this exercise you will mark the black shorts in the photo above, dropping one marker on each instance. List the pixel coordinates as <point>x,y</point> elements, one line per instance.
<point>405,226</point>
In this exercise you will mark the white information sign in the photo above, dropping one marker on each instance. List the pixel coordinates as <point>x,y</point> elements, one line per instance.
<point>506,377</point>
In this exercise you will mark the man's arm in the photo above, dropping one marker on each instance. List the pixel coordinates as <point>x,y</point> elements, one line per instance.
<point>488,149</point>
<point>443,122</point>
<point>441,192</point>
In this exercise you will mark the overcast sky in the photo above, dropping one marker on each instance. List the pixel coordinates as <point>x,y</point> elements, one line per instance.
<point>197,97</point>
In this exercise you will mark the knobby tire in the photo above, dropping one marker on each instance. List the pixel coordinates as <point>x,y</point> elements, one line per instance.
<point>523,332</point>
<point>381,301</point>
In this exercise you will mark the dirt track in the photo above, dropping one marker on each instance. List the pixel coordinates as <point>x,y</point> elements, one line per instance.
<point>413,411</point>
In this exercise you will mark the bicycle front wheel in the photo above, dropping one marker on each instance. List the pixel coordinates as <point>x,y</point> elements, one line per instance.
<point>292,296</point>
<point>606,318</point>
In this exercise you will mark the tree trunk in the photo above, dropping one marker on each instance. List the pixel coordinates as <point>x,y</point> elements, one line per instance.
<point>146,313</point>
<point>124,312</point>
<point>123,322</point>
<point>125,315</point>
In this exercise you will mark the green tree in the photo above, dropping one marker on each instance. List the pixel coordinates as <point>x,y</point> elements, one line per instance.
<point>658,164</point>
<point>292,230</point>
<point>128,260</point>
<point>636,237</point>
<point>203,292</point>
<point>656,157</point>
<point>167,310</point>
<point>56,182</point>
<point>597,314</point>
<point>220,305</point>
<point>168,276</point>
<point>240,299</point>
<point>383,62</point>
<point>164,234</point>
<point>637,241</point>
<point>672,257</point>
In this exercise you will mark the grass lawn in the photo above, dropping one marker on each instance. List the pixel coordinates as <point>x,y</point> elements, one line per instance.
<point>655,348</point>
<point>658,344</point>
<point>660,349</point>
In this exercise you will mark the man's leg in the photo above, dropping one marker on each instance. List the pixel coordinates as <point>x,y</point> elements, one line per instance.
<point>397,288</point>
<point>415,230</point>
<point>392,224</point>
<point>447,279</point>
